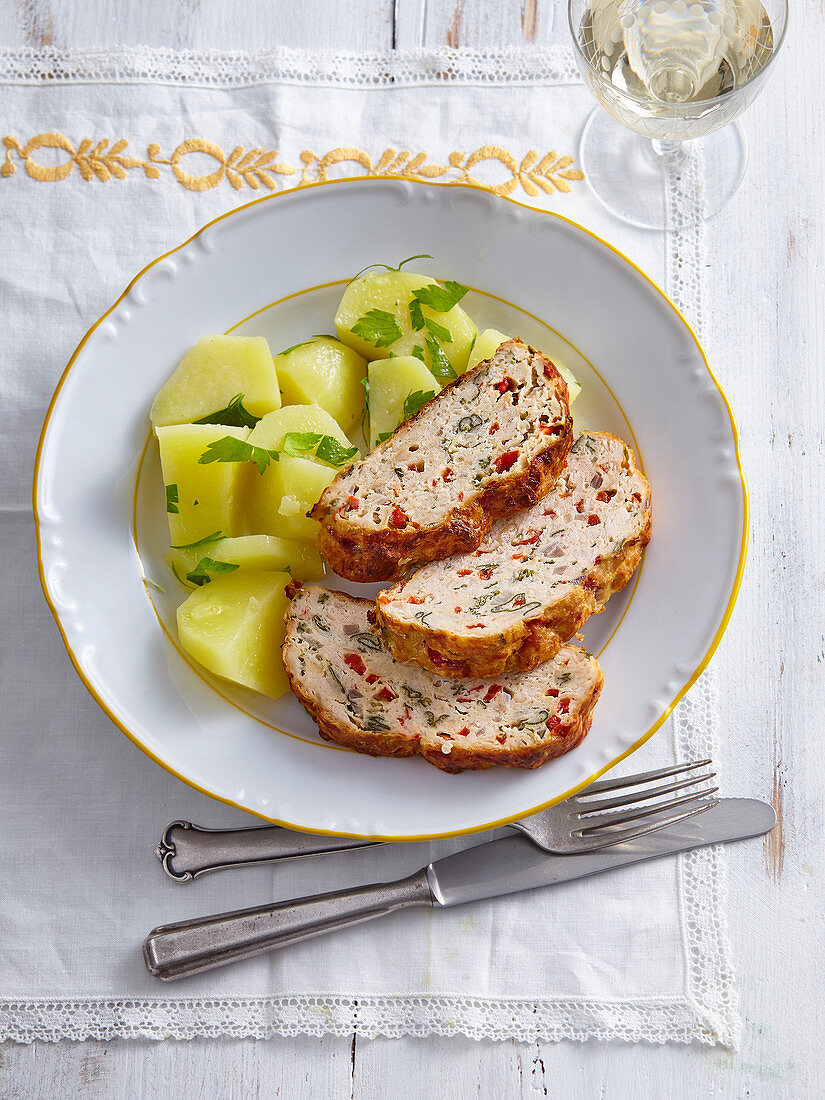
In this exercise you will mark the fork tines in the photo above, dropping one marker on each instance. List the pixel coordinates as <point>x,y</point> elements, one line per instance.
<point>648,805</point>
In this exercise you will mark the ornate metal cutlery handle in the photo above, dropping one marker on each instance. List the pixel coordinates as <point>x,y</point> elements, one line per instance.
<point>189,947</point>
<point>187,851</point>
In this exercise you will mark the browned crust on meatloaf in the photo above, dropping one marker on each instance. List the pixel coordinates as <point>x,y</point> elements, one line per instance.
<point>392,744</point>
<point>526,643</point>
<point>381,555</point>
<point>528,758</point>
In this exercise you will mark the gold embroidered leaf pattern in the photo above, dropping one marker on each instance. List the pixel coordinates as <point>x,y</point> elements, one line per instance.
<point>257,167</point>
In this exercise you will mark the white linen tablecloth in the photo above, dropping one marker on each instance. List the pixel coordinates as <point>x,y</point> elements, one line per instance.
<point>112,158</point>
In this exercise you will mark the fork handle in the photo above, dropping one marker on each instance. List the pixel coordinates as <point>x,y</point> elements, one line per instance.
<point>190,947</point>
<point>187,851</point>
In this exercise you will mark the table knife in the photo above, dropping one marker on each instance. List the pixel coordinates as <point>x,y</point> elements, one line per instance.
<point>488,870</point>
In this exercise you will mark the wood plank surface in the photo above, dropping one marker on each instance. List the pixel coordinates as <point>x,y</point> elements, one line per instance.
<point>768,338</point>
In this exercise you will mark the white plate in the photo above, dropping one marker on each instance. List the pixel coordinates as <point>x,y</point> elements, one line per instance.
<point>276,268</point>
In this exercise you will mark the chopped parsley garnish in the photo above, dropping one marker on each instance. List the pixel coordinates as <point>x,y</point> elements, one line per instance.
<point>415,401</point>
<point>199,542</point>
<point>440,363</point>
<point>416,315</point>
<point>389,267</point>
<point>438,331</point>
<point>418,353</point>
<point>324,447</point>
<point>378,327</point>
<point>365,382</point>
<point>440,299</point>
<point>230,449</point>
<point>235,414</point>
<point>172,500</point>
<point>200,574</point>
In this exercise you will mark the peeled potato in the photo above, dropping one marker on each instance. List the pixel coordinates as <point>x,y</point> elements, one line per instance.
<point>234,626</point>
<point>302,562</point>
<point>214,371</point>
<point>323,371</point>
<point>201,499</point>
<point>391,293</point>
<point>392,381</point>
<point>488,344</point>
<point>272,429</point>
<point>278,501</point>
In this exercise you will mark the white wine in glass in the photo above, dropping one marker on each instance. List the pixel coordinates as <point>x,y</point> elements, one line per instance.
<point>671,71</point>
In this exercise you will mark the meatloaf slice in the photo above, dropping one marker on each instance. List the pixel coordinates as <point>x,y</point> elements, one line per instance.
<point>535,579</point>
<point>493,441</point>
<point>346,679</point>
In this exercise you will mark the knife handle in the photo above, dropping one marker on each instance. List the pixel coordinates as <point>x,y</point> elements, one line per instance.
<point>190,947</point>
<point>187,851</point>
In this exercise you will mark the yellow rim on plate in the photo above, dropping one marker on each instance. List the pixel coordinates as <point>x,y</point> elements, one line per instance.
<point>487,824</point>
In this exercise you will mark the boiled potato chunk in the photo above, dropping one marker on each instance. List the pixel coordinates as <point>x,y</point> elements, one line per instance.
<point>234,626</point>
<point>271,430</point>
<point>390,293</point>
<point>324,372</point>
<point>488,344</point>
<point>278,502</point>
<point>214,371</point>
<point>392,381</point>
<point>302,562</point>
<point>201,500</point>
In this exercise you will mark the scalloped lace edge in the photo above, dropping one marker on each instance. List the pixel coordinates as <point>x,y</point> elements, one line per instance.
<point>333,68</point>
<point>706,1012</point>
<point>655,1021</point>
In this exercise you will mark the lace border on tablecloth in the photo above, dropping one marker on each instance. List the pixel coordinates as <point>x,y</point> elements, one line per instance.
<point>331,68</point>
<point>706,1013</point>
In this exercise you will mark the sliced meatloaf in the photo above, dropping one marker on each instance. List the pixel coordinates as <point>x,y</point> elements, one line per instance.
<point>341,672</point>
<point>493,441</point>
<point>535,579</point>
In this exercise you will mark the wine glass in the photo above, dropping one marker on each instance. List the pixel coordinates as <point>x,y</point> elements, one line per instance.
<point>670,71</point>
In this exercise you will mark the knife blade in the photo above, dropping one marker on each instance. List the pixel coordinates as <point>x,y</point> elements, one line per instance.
<point>512,864</point>
<point>489,870</point>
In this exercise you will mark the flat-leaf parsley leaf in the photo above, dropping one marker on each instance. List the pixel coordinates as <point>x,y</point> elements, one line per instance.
<point>438,331</point>
<point>440,299</point>
<point>200,574</point>
<point>235,415</point>
<point>378,327</point>
<point>230,449</point>
<point>415,401</point>
<point>440,363</point>
<point>325,447</point>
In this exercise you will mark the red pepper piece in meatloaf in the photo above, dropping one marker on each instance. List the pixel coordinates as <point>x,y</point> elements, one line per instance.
<point>490,443</point>
<point>535,579</point>
<point>340,670</point>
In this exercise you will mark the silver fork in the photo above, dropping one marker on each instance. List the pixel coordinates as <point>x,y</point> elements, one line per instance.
<point>581,823</point>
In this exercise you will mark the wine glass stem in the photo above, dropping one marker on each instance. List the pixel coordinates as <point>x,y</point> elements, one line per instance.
<point>668,154</point>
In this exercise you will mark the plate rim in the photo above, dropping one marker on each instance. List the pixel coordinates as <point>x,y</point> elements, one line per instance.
<point>668,710</point>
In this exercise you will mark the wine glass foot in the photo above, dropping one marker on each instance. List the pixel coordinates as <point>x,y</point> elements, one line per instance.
<point>638,186</point>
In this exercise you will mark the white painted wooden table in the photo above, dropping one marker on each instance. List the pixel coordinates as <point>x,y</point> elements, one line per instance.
<point>766,262</point>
